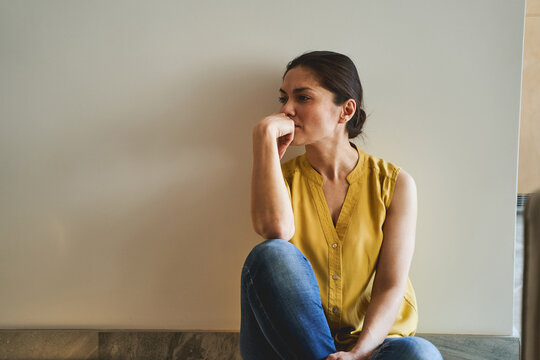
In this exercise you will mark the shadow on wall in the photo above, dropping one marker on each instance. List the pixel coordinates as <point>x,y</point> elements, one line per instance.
<point>149,196</point>
<point>189,217</point>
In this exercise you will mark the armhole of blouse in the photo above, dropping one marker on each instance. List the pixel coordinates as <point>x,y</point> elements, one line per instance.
<point>288,189</point>
<point>286,183</point>
<point>391,185</point>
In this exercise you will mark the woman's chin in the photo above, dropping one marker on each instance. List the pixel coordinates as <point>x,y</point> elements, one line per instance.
<point>298,139</point>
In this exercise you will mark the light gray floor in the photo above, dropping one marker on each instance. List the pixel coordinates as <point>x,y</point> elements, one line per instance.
<point>518,274</point>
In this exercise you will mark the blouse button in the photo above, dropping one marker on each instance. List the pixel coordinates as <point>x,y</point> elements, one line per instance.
<point>334,245</point>
<point>335,277</point>
<point>335,309</point>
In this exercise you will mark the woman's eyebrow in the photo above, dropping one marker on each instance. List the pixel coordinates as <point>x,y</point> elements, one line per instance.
<point>297,90</point>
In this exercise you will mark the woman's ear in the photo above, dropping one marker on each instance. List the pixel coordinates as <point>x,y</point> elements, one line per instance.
<point>347,110</point>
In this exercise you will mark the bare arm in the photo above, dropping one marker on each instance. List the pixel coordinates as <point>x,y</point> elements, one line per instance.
<point>393,268</point>
<point>271,210</point>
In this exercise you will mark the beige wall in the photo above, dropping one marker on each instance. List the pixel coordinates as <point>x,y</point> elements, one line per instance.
<point>125,151</point>
<point>529,131</point>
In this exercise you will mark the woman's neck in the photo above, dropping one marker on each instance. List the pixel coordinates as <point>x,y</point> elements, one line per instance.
<point>334,161</point>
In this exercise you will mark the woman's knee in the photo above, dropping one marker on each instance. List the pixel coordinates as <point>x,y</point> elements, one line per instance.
<point>273,250</point>
<point>417,348</point>
<point>274,253</point>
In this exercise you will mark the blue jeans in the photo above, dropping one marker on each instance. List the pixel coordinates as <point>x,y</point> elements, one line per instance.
<point>282,315</point>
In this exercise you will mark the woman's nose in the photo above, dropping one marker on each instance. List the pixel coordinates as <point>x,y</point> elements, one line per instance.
<point>287,109</point>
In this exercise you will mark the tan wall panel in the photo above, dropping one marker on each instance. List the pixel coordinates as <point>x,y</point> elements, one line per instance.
<point>529,144</point>
<point>533,7</point>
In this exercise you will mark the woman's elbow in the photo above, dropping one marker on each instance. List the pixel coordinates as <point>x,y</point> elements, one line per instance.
<point>278,231</point>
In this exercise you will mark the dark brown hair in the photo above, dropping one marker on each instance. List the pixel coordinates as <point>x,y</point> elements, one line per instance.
<point>336,72</point>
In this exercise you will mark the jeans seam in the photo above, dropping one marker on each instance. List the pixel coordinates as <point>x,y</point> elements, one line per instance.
<point>263,311</point>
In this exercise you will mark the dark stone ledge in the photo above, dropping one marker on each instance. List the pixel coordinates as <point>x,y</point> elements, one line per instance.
<point>201,345</point>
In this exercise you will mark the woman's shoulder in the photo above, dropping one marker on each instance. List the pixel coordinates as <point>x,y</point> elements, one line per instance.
<point>382,166</point>
<point>387,174</point>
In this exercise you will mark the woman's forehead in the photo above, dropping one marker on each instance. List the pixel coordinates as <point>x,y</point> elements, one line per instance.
<point>299,78</point>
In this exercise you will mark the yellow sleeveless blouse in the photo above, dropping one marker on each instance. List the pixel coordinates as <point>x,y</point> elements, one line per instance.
<point>344,258</point>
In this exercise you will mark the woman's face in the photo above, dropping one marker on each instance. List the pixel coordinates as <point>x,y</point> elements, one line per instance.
<point>310,106</point>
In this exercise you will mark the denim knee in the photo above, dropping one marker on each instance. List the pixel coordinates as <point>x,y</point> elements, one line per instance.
<point>273,251</point>
<point>414,347</point>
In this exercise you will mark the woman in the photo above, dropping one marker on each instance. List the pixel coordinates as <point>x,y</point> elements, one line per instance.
<point>330,281</point>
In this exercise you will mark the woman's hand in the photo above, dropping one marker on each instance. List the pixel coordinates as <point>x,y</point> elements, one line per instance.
<point>281,127</point>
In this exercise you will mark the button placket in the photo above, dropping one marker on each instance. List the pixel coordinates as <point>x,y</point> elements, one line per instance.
<point>335,285</point>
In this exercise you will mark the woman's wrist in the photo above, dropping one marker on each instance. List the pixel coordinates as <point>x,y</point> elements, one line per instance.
<point>264,130</point>
<point>360,353</point>
<point>264,141</point>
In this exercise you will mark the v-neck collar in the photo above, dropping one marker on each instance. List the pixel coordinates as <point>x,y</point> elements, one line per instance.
<point>312,174</point>
<point>337,232</point>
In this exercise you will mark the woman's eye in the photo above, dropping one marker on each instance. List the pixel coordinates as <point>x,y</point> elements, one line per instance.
<point>283,99</point>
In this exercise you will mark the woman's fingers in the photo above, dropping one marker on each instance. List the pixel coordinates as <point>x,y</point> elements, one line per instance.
<point>282,129</point>
<point>283,143</point>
